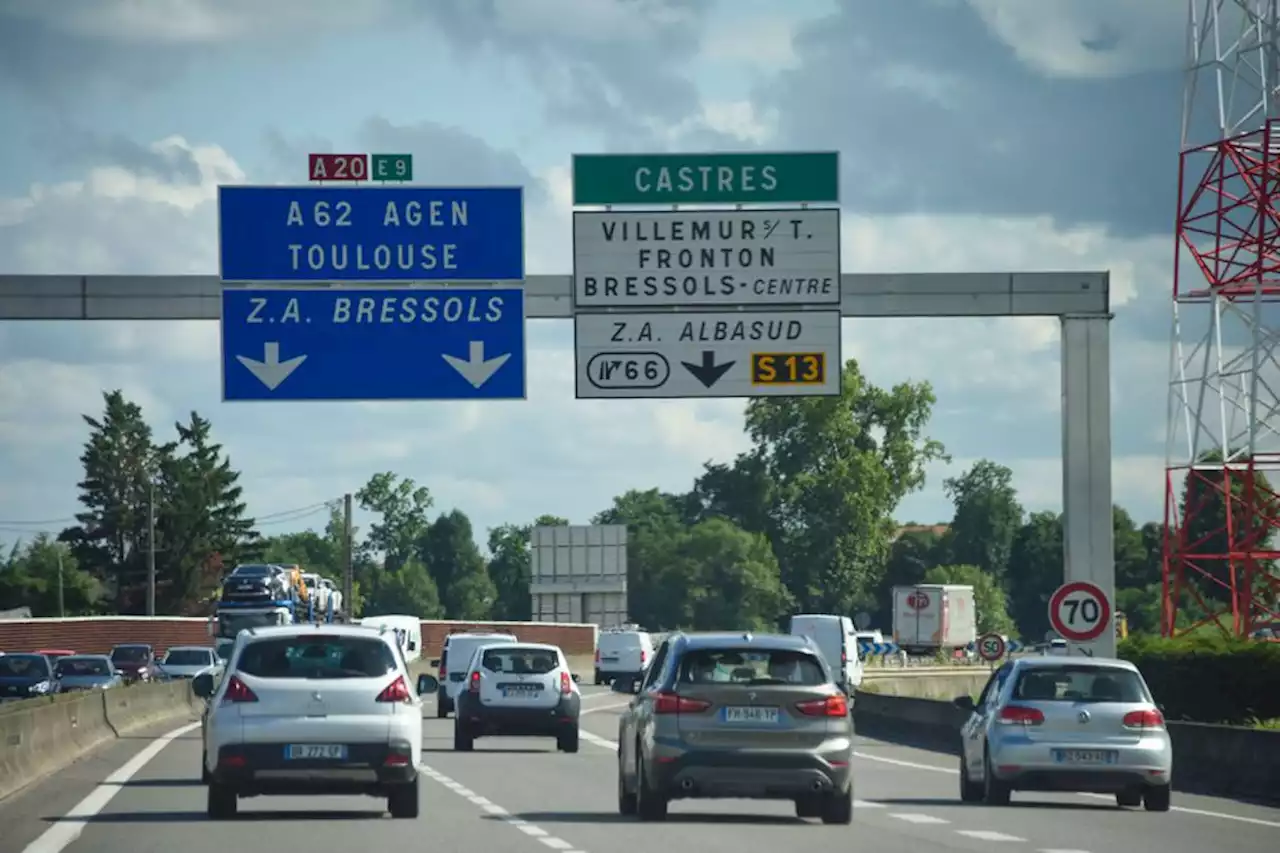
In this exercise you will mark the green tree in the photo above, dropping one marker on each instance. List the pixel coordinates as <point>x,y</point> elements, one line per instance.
<point>1035,571</point>
<point>510,567</point>
<point>987,517</point>
<point>200,518</point>
<point>109,539</point>
<point>733,578</point>
<point>449,551</point>
<point>838,468</point>
<point>402,507</point>
<point>656,585</point>
<point>43,575</point>
<point>409,591</point>
<point>1133,560</point>
<point>988,596</point>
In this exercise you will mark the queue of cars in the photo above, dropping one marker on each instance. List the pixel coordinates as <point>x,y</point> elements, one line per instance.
<point>47,672</point>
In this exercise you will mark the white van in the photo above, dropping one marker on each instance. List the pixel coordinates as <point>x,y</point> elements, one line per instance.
<point>837,639</point>
<point>408,630</point>
<point>455,657</point>
<point>622,653</point>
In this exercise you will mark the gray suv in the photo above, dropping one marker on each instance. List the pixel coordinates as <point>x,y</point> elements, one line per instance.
<point>721,715</point>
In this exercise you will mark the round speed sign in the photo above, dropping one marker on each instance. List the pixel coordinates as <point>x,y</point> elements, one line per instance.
<point>991,647</point>
<point>1079,611</point>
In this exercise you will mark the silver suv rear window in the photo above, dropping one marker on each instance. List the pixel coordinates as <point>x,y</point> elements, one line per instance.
<point>517,660</point>
<point>750,667</point>
<point>1079,683</point>
<point>312,656</point>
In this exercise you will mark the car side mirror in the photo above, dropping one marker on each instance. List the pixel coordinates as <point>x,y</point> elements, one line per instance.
<point>434,662</point>
<point>412,646</point>
<point>427,684</point>
<point>964,703</point>
<point>202,685</point>
<point>575,677</point>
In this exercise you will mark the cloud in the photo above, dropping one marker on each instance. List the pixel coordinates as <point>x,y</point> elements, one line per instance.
<point>933,112</point>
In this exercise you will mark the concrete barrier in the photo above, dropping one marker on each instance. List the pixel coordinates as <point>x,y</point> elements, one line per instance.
<point>40,736</point>
<point>924,683</point>
<point>1222,761</point>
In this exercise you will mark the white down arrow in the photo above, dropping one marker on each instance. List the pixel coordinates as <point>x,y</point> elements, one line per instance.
<point>271,371</point>
<point>475,369</point>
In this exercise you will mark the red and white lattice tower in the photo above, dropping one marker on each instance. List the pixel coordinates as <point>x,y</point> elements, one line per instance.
<point>1224,390</point>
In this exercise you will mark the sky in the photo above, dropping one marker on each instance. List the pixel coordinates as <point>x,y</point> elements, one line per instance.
<point>975,135</point>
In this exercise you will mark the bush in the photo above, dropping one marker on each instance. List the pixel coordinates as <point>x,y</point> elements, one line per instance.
<point>1209,678</point>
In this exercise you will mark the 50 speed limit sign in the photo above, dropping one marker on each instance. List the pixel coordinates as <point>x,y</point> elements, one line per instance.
<point>1079,611</point>
<point>991,647</point>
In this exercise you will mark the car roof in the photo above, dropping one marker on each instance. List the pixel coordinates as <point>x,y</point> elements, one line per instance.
<point>131,646</point>
<point>516,644</point>
<point>106,658</point>
<point>740,639</point>
<point>190,649</point>
<point>331,629</point>
<point>505,635</point>
<point>1060,662</point>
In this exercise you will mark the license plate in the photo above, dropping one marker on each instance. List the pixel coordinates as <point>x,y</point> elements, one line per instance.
<point>609,659</point>
<point>304,751</point>
<point>1085,756</point>
<point>750,715</point>
<point>519,690</point>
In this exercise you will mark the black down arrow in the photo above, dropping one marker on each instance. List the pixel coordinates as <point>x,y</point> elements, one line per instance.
<point>708,373</point>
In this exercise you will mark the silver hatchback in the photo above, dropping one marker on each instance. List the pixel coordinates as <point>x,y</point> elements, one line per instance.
<point>1066,724</point>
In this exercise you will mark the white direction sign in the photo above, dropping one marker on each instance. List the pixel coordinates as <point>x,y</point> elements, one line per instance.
<point>706,258</point>
<point>696,354</point>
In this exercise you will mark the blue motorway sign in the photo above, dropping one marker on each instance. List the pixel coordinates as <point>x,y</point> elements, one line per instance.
<point>370,234</point>
<point>338,344</point>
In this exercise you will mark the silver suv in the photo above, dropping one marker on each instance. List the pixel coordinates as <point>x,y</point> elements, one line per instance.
<point>723,715</point>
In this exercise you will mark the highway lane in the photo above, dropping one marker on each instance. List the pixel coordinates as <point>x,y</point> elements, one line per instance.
<point>518,795</point>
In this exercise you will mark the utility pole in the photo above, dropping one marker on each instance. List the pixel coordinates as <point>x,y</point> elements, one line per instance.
<point>62,609</point>
<point>151,550</point>
<point>348,572</point>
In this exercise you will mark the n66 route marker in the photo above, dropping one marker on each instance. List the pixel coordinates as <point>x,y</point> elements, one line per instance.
<point>702,354</point>
<point>332,344</point>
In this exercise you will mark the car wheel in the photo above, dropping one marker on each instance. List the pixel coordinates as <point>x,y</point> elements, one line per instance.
<point>837,807</point>
<point>442,705</point>
<point>567,740</point>
<point>596,679</point>
<point>205,776</point>
<point>1156,798</point>
<point>462,739</point>
<point>970,791</point>
<point>403,800</point>
<point>221,802</point>
<point>1129,799</point>
<point>650,805</point>
<point>808,807</point>
<point>995,792</point>
<point>626,799</point>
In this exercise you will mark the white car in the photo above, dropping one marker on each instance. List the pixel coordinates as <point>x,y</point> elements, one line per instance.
<point>306,709</point>
<point>622,654</point>
<point>335,594</point>
<point>520,689</point>
<point>317,591</point>
<point>187,661</point>
<point>454,662</point>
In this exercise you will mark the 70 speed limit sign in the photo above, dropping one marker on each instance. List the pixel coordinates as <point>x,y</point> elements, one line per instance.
<point>1079,611</point>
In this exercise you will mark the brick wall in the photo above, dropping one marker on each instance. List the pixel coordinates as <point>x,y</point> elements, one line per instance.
<point>96,635</point>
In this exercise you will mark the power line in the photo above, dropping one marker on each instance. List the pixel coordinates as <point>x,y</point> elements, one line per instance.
<point>278,517</point>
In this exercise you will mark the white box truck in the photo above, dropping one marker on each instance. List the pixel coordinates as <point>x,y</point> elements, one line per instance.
<point>932,618</point>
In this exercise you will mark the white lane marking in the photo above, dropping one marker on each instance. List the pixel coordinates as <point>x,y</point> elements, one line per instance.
<point>933,768</point>
<point>596,708</point>
<point>68,827</point>
<point>529,829</point>
<point>914,817</point>
<point>598,741</point>
<point>1059,850</point>
<point>988,835</point>
<point>863,804</point>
